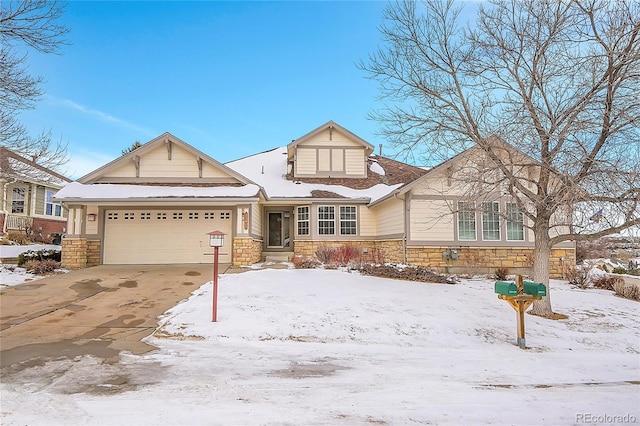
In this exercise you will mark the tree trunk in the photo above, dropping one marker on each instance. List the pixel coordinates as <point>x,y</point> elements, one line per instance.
<point>541,253</point>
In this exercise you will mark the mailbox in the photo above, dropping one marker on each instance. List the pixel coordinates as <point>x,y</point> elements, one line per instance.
<point>506,288</point>
<point>534,289</point>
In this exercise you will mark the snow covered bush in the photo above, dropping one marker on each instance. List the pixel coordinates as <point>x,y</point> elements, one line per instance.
<point>54,255</point>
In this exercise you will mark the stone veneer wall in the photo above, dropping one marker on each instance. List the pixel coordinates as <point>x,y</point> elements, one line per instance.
<point>80,253</point>
<point>246,251</point>
<point>486,260</point>
<point>74,253</point>
<point>372,251</point>
<point>93,253</point>
<point>470,260</point>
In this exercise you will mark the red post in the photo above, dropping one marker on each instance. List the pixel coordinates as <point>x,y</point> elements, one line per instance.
<point>215,284</point>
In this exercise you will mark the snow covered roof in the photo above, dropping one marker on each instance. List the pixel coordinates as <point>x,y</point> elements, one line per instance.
<point>76,191</point>
<point>270,169</point>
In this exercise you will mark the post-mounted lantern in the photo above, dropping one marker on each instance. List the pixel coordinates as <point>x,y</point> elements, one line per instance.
<point>216,240</point>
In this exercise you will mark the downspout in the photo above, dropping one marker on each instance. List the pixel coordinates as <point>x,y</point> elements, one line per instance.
<point>406,224</point>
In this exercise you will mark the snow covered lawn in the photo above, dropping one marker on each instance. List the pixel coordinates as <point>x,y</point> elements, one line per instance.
<point>331,347</point>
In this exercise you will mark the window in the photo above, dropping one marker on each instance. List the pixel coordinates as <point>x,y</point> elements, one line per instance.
<point>209,215</point>
<point>348,220</point>
<point>112,216</point>
<point>177,215</point>
<point>161,216</point>
<point>491,221</point>
<point>17,200</point>
<point>466,221</point>
<point>303,220</point>
<point>326,220</point>
<point>51,208</point>
<point>515,223</point>
<point>193,215</point>
<point>129,216</point>
<point>225,215</point>
<point>145,216</point>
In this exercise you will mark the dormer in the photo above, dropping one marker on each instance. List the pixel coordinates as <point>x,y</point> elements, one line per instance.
<point>329,151</point>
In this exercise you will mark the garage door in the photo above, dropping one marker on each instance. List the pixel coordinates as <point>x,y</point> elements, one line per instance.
<point>157,236</point>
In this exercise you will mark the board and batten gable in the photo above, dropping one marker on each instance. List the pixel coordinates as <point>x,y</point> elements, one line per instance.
<point>330,151</point>
<point>165,159</point>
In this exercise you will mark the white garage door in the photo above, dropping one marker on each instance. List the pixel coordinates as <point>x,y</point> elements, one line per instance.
<point>158,236</point>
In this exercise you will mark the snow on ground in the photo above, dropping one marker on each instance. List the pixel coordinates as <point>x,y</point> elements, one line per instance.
<point>10,275</point>
<point>330,347</point>
<point>7,251</point>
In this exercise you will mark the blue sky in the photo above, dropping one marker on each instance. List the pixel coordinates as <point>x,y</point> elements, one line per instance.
<point>229,78</point>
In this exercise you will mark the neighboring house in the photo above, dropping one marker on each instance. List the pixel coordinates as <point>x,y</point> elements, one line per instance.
<point>26,197</point>
<point>326,188</point>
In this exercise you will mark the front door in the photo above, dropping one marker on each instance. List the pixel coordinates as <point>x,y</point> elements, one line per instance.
<point>278,224</point>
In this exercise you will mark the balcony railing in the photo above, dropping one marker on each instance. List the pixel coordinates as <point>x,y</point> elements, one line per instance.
<point>16,222</point>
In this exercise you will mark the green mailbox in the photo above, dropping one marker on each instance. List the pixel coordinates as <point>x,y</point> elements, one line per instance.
<point>534,289</point>
<point>506,288</point>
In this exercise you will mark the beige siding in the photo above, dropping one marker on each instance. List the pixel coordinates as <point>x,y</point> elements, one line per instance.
<point>355,163</point>
<point>390,217</point>
<point>209,171</point>
<point>367,220</point>
<point>156,163</point>
<point>305,161</point>
<point>337,160</point>
<point>128,169</point>
<point>256,220</point>
<point>324,160</point>
<point>430,220</point>
<point>333,138</point>
<point>91,227</point>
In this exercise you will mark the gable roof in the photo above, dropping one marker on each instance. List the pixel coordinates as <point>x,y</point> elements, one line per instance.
<point>13,165</point>
<point>331,125</point>
<point>165,138</point>
<point>272,171</point>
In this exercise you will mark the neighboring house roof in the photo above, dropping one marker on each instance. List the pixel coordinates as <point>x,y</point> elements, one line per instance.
<point>14,166</point>
<point>272,171</point>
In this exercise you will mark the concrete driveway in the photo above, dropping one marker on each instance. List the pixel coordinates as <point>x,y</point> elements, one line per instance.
<point>96,311</point>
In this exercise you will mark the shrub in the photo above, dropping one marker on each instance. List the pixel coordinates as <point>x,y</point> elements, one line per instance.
<point>345,254</point>
<point>501,274</point>
<point>628,291</point>
<point>411,273</point>
<point>304,262</point>
<point>19,238</point>
<point>606,282</point>
<point>619,270</point>
<point>633,268</point>
<point>577,276</point>
<point>40,267</point>
<point>324,253</point>
<point>38,255</point>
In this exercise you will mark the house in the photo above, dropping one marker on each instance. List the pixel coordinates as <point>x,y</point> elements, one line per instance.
<point>26,197</point>
<point>326,188</point>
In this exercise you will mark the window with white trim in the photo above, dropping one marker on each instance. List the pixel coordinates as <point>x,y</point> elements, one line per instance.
<point>348,220</point>
<point>491,221</point>
<point>466,220</point>
<point>51,208</point>
<point>18,198</point>
<point>515,222</point>
<point>326,220</point>
<point>302,219</point>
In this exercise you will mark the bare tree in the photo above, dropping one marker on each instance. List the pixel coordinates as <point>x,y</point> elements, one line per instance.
<point>557,81</point>
<point>31,25</point>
